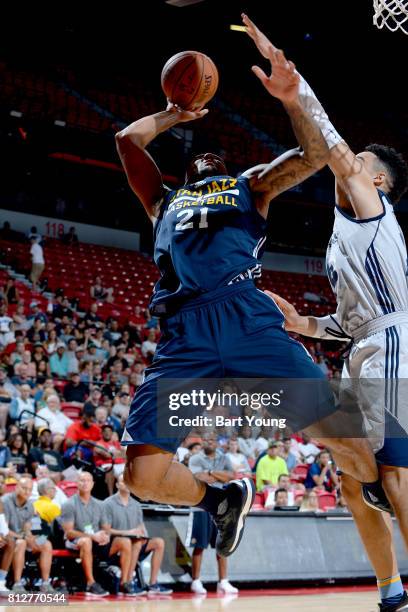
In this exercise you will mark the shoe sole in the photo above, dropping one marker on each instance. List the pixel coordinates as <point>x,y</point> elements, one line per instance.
<point>250,487</point>
<point>374,507</point>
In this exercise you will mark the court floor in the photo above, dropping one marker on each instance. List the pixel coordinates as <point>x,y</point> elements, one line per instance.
<point>312,600</point>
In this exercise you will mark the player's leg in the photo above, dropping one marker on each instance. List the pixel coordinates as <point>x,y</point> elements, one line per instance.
<point>265,351</point>
<point>151,474</point>
<point>188,351</point>
<point>395,481</point>
<point>122,547</point>
<point>375,529</point>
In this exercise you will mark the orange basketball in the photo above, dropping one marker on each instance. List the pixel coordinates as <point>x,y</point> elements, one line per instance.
<point>189,79</point>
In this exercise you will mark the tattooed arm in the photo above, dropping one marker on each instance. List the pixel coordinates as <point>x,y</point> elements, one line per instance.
<point>269,180</point>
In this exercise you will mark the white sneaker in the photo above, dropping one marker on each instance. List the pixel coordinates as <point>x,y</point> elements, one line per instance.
<point>224,586</point>
<point>197,587</point>
<point>3,589</point>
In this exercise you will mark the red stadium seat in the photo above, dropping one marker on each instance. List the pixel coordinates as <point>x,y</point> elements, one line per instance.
<point>326,500</point>
<point>299,473</point>
<point>72,411</point>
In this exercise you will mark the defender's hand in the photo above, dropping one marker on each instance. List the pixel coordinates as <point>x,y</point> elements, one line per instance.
<point>263,44</point>
<point>184,115</point>
<point>293,320</point>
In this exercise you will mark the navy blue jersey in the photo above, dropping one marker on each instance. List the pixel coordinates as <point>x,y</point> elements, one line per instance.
<point>208,234</point>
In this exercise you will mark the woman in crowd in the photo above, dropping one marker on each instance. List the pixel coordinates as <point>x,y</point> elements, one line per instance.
<point>18,458</point>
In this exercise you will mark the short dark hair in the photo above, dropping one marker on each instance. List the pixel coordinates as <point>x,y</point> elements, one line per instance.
<point>396,166</point>
<point>280,491</point>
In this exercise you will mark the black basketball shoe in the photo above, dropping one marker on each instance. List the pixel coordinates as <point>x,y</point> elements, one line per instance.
<point>402,606</point>
<point>230,518</point>
<point>375,497</point>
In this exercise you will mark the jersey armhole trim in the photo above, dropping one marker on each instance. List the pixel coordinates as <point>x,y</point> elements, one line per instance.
<point>377,218</point>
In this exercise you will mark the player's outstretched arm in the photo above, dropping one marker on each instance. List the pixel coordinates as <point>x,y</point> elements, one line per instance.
<point>294,166</point>
<point>143,175</point>
<point>325,328</point>
<point>355,186</point>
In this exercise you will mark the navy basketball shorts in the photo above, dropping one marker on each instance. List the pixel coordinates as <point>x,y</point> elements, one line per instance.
<point>203,530</point>
<point>235,332</point>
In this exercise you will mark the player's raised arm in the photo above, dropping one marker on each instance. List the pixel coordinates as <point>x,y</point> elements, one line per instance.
<point>143,175</point>
<point>290,169</point>
<point>355,186</point>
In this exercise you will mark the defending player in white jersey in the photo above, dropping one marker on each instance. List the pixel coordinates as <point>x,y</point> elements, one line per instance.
<point>367,268</point>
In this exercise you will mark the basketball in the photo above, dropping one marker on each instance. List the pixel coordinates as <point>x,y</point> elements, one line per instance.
<point>189,79</point>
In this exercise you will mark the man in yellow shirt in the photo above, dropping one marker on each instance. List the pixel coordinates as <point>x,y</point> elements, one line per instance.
<point>46,509</point>
<point>270,467</point>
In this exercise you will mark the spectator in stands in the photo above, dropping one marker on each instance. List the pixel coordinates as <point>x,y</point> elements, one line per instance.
<point>52,416</point>
<point>7,469</point>
<point>121,406</point>
<point>52,342</point>
<point>270,467</point>
<point>21,322</point>
<point>31,366</point>
<point>37,261</point>
<point>103,417</point>
<point>59,362</point>
<point>109,442</point>
<point>23,378</point>
<point>237,461</point>
<point>36,333</point>
<point>123,517</point>
<point>211,466</point>
<point>322,474</point>
<point>37,313</point>
<point>281,499</point>
<point>10,292</point>
<point>310,502</point>
<point>286,454</point>
<point>19,512</point>
<point>111,388</point>
<point>7,546</point>
<point>86,372</point>
<point>246,443</point>
<point>70,238</point>
<point>33,234</point>
<point>45,506</point>
<point>308,451</point>
<point>39,353</point>
<point>18,458</point>
<point>99,292</point>
<point>149,345</point>
<point>76,391</point>
<point>91,317</point>
<point>6,233</point>
<point>62,309</point>
<point>262,441</point>
<point>21,404</point>
<point>43,472</point>
<point>6,328</point>
<point>85,429</point>
<point>6,384</point>
<point>44,454</point>
<point>81,519</point>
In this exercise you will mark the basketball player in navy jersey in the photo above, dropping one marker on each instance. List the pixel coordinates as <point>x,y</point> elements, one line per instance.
<point>367,269</point>
<point>208,240</point>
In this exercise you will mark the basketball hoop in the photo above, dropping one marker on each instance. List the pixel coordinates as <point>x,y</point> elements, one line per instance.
<point>393,14</point>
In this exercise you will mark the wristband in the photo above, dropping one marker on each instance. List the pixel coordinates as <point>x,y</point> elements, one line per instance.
<point>312,105</point>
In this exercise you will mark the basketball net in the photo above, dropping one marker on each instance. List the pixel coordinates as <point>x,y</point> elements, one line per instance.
<point>393,14</point>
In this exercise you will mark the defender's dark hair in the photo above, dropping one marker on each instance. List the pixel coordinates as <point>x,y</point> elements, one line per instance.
<point>396,166</point>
